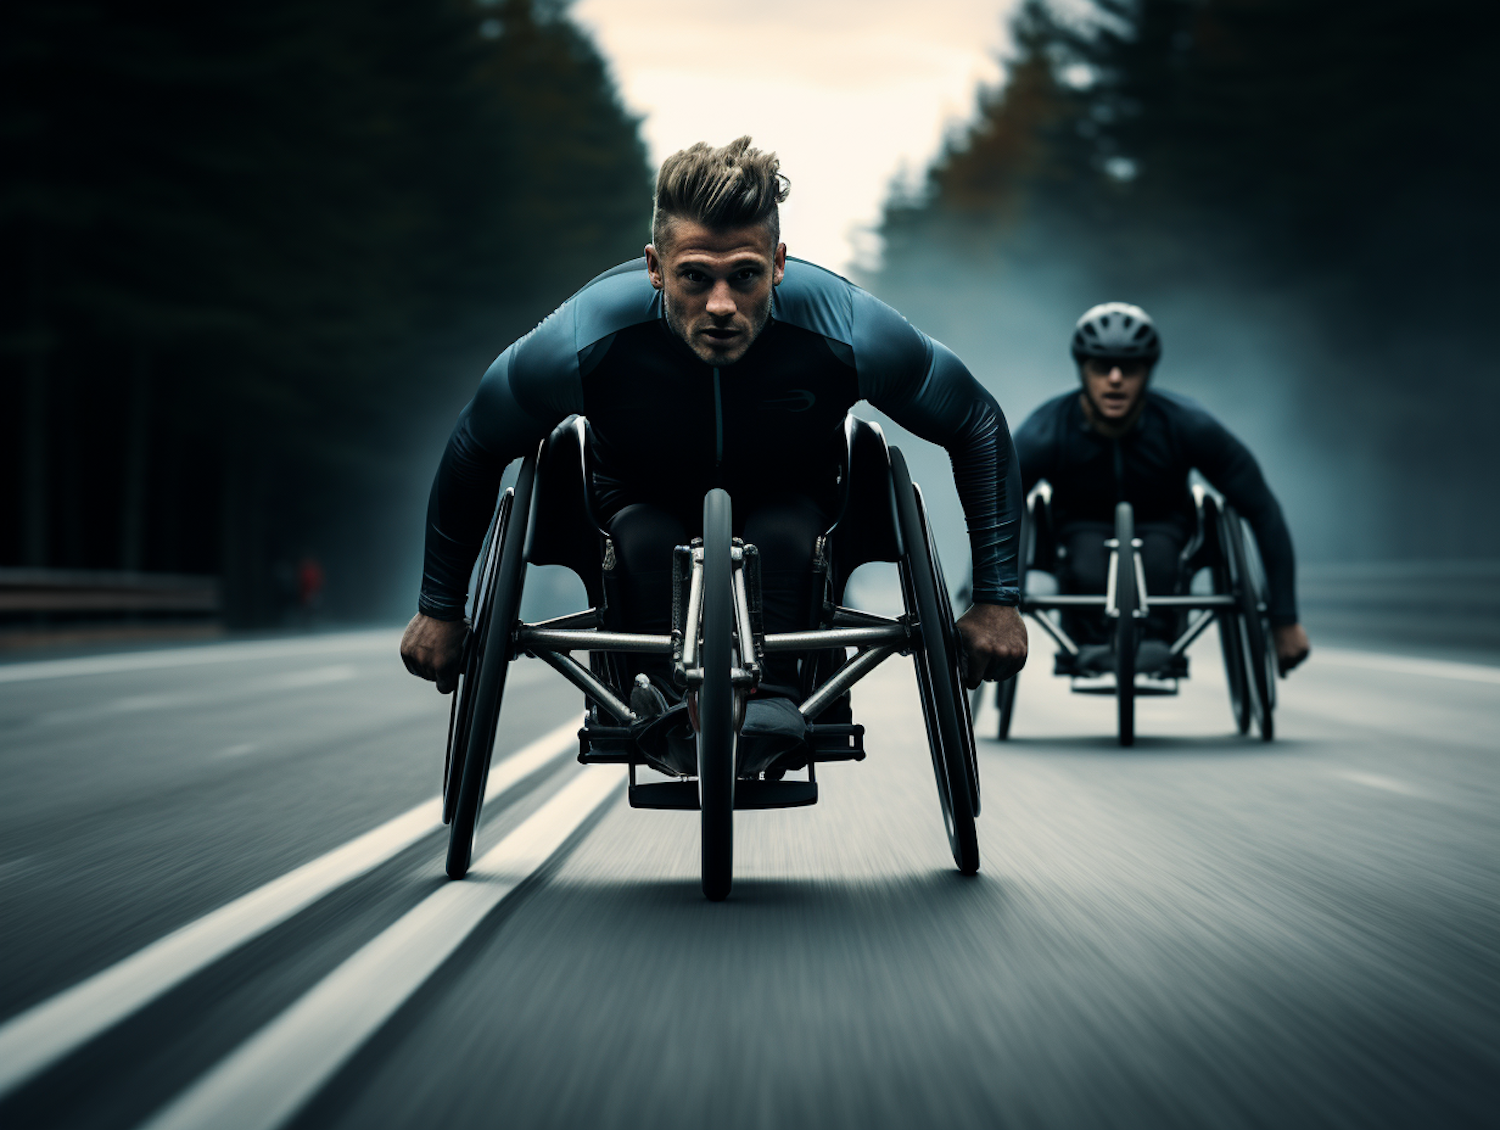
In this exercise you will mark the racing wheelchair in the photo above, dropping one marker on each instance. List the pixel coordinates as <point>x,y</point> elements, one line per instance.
<point>1224,546</point>
<point>715,647</point>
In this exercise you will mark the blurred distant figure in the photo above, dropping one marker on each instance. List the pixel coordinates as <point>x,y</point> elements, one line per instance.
<point>309,587</point>
<point>1119,440</point>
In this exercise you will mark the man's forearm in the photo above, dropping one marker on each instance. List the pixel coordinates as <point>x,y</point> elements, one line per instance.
<point>459,510</point>
<point>1274,541</point>
<point>953,409</point>
<point>991,511</point>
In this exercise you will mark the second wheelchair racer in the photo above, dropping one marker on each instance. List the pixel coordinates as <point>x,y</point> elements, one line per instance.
<point>1121,440</point>
<point>715,361</point>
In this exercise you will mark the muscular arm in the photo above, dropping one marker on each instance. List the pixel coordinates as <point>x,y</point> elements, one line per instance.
<point>529,389</point>
<point>926,389</point>
<point>1227,464</point>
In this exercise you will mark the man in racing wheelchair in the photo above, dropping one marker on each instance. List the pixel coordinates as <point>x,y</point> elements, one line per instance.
<point>715,361</point>
<point>1120,440</point>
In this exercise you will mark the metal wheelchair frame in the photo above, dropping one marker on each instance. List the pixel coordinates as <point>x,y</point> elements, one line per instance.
<point>890,525</point>
<point>1239,611</point>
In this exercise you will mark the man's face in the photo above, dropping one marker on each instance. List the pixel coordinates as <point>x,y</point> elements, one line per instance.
<point>716,284</point>
<point>1114,387</point>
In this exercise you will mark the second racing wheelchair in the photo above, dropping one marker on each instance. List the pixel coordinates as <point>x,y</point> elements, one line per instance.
<point>1129,666</point>
<point>715,647</point>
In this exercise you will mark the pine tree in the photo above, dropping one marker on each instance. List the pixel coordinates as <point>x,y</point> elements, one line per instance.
<point>1301,184</point>
<point>247,246</point>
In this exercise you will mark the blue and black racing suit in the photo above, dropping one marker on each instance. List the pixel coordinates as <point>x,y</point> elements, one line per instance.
<point>667,427</point>
<point>1148,467</point>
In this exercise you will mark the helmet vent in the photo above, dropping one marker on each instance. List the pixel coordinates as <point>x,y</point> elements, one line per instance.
<point>1116,330</point>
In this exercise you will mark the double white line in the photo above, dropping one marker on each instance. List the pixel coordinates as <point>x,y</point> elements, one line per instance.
<point>276,1071</point>
<point>317,1033</point>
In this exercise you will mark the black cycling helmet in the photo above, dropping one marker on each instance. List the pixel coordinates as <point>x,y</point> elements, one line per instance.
<point>1116,330</point>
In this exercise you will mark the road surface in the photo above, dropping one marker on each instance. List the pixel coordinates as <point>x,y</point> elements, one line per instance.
<point>222,905</point>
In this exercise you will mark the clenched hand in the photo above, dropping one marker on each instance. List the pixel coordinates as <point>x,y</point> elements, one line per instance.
<point>1291,646</point>
<point>434,650</point>
<point>992,643</point>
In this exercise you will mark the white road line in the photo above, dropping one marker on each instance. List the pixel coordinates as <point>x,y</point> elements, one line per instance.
<point>274,1073</point>
<point>1407,665</point>
<point>137,704</point>
<point>314,677</point>
<point>230,693</point>
<point>379,642</point>
<point>44,1033</point>
<point>1377,781</point>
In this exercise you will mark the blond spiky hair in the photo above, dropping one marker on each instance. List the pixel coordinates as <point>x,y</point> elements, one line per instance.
<point>729,187</point>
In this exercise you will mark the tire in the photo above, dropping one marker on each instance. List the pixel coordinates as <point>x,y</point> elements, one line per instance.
<point>945,707</point>
<point>488,682</point>
<point>1260,589</point>
<point>949,624</point>
<point>1005,691</point>
<point>1126,626</point>
<point>1005,700</point>
<point>461,716</point>
<point>1231,638</point>
<point>716,736</point>
<point>1254,627</point>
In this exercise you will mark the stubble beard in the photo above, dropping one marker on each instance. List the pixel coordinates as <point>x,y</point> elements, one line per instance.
<point>1113,427</point>
<point>676,325</point>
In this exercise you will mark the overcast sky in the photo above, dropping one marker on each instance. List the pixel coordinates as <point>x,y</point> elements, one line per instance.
<point>848,92</point>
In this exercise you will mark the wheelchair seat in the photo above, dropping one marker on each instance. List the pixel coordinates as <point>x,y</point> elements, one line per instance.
<point>714,646</point>
<point>564,528</point>
<point>1148,665</point>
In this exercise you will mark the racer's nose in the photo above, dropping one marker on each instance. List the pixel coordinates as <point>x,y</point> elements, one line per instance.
<point>721,301</point>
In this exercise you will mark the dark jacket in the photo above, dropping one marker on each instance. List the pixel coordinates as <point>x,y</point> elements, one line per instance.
<point>1149,467</point>
<point>667,426</point>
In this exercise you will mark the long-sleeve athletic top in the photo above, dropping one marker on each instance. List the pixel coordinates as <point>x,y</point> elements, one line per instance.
<point>1148,467</point>
<point>667,427</point>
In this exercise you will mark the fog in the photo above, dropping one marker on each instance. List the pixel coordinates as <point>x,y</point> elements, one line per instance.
<point>1244,359</point>
<point>237,351</point>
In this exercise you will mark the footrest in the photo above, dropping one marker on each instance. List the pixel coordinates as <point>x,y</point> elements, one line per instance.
<point>836,741</point>
<point>775,794</point>
<point>610,757</point>
<point>665,794</point>
<point>607,745</point>
<point>1094,684</point>
<point>683,795</point>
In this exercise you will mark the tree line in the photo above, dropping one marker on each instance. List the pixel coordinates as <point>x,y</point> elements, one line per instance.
<point>1302,187</point>
<point>257,255</point>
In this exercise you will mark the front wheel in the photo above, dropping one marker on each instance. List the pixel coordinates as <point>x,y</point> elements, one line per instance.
<point>716,737</point>
<point>1125,626</point>
<point>945,707</point>
<point>1232,643</point>
<point>1255,630</point>
<point>469,771</point>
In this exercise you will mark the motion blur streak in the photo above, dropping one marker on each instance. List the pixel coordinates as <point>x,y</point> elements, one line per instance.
<point>45,1033</point>
<point>1205,930</point>
<point>372,643</point>
<point>277,1071</point>
<point>41,1036</point>
<point>1405,665</point>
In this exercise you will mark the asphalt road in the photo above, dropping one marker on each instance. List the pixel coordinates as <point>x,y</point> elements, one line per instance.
<point>221,904</point>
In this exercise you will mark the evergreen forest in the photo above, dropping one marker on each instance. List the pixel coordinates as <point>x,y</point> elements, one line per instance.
<point>255,258</point>
<point>1299,191</point>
